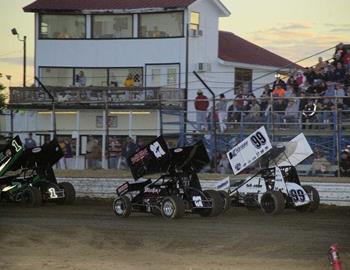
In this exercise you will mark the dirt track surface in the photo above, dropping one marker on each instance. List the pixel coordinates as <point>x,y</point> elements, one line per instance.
<point>88,236</point>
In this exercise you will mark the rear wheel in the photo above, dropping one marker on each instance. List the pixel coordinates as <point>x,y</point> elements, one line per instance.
<point>314,197</point>
<point>122,207</point>
<point>172,207</point>
<point>217,204</point>
<point>32,197</point>
<point>227,200</point>
<point>272,203</point>
<point>69,193</point>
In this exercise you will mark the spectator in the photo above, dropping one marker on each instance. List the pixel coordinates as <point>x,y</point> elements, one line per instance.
<point>29,142</point>
<point>80,79</point>
<point>129,81</point>
<point>253,112</point>
<point>291,112</point>
<point>68,154</point>
<point>224,164</point>
<point>279,82</point>
<point>278,109</point>
<point>129,148</point>
<point>320,65</point>
<point>320,165</point>
<point>222,107</point>
<point>309,112</point>
<point>339,73</point>
<point>278,91</point>
<point>344,163</point>
<point>201,105</point>
<point>346,59</point>
<point>95,155</point>
<point>89,147</point>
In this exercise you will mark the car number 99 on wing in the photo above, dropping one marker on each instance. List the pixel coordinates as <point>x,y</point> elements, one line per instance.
<point>258,140</point>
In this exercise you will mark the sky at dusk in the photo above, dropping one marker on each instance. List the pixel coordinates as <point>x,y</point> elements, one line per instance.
<point>293,29</point>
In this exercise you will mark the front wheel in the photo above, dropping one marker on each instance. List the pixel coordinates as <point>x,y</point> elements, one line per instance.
<point>226,198</point>
<point>32,197</point>
<point>272,203</point>
<point>314,200</point>
<point>217,204</point>
<point>172,207</point>
<point>122,207</point>
<point>69,193</point>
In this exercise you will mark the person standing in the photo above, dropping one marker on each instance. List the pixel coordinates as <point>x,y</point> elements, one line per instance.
<point>222,111</point>
<point>29,142</point>
<point>201,105</point>
<point>129,148</point>
<point>80,79</point>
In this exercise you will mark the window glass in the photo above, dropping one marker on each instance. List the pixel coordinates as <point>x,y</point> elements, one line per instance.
<point>161,25</point>
<point>56,76</point>
<point>119,77</point>
<point>243,79</point>
<point>91,77</point>
<point>172,77</point>
<point>156,76</point>
<point>112,26</point>
<point>62,26</point>
<point>194,21</point>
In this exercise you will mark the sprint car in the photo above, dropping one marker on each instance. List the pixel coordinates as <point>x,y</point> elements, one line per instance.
<point>177,191</point>
<point>276,185</point>
<point>26,175</point>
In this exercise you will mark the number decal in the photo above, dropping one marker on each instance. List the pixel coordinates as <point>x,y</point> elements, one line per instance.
<point>297,195</point>
<point>52,192</point>
<point>258,140</point>
<point>157,150</point>
<point>16,146</point>
<point>197,201</point>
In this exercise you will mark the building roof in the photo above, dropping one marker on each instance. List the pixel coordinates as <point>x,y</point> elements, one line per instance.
<point>79,5</point>
<point>233,48</point>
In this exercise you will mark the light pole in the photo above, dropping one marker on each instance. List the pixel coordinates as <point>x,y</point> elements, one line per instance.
<point>24,40</point>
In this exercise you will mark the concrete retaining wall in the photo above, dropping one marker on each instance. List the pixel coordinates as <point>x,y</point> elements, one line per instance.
<point>330,193</point>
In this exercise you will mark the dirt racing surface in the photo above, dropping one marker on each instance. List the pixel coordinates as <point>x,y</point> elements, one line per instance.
<point>88,236</point>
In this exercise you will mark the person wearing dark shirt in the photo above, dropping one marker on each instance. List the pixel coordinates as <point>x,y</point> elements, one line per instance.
<point>129,148</point>
<point>201,105</point>
<point>29,142</point>
<point>344,163</point>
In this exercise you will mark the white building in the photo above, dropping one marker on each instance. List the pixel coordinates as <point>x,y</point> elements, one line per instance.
<point>160,43</point>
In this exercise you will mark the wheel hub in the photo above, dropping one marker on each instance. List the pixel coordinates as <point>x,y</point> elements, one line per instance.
<point>168,208</point>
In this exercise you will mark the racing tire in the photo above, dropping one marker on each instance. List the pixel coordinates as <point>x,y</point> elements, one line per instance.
<point>314,197</point>
<point>172,207</point>
<point>272,203</point>
<point>69,193</point>
<point>227,200</point>
<point>122,206</point>
<point>32,197</point>
<point>217,204</point>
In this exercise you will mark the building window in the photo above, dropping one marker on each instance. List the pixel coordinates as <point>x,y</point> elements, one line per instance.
<point>56,76</point>
<point>62,26</point>
<point>111,26</point>
<point>156,25</point>
<point>167,75</point>
<point>243,79</point>
<point>194,21</point>
<point>91,76</point>
<point>118,76</point>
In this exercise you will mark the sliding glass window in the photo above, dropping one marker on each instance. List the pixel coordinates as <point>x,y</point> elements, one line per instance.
<point>112,26</point>
<point>158,25</point>
<point>51,76</point>
<point>62,27</point>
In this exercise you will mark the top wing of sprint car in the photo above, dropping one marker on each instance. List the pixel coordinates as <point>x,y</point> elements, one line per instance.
<point>249,150</point>
<point>152,158</point>
<point>46,155</point>
<point>156,157</point>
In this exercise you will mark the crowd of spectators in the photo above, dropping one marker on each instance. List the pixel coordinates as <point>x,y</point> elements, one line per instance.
<point>305,95</point>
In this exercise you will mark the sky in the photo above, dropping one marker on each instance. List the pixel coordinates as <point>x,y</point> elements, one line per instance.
<point>292,29</point>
